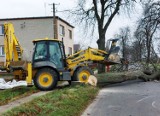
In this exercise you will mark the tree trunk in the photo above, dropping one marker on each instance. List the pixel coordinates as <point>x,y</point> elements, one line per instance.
<point>101,68</point>
<point>148,54</point>
<point>125,76</point>
<point>123,48</point>
<point>101,46</point>
<point>101,42</point>
<point>140,55</point>
<point>149,40</point>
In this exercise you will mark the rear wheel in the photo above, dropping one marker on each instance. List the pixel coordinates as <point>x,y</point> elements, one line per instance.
<point>46,79</point>
<point>83,73</point>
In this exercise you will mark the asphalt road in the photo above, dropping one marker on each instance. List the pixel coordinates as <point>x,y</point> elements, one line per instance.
<point>133,98</point>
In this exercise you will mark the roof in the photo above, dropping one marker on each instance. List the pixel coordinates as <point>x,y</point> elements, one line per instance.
<point>46,39</point>
<point>42,17</point>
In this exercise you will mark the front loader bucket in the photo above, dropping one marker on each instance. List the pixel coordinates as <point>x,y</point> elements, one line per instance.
<point>112,59</point>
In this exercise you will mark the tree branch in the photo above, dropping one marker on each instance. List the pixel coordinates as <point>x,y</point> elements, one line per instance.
<point>96,10</point>
<point>113,14</point>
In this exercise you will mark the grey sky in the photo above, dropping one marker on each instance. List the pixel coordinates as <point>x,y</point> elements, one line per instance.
<point>33,8</point>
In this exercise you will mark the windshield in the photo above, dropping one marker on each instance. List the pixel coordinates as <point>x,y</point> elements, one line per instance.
<point>40,51</point>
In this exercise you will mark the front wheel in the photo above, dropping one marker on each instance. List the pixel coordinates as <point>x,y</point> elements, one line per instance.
<point>45,79</point>
<point>83,73</point>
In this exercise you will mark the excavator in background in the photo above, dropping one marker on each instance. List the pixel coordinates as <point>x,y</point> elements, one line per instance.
<point>49,62</point>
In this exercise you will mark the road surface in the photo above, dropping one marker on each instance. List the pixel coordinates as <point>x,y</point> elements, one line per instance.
<point>133,98</point>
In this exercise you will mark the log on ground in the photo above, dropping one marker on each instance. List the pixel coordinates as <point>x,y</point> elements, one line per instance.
<point>125,76</point>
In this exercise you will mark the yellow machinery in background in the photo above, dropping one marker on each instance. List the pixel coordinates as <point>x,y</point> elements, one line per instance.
<point>49,63</point>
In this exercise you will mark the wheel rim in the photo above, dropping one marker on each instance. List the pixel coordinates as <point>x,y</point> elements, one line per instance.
<point>83,76</point>
<point>45,79</point>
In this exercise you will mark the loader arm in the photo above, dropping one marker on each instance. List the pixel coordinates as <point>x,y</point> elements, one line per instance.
<point>93,55</point>
<point>83,56</point>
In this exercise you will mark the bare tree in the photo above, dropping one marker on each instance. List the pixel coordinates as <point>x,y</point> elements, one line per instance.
<point>139,45</point>
<point>99,13</point>
<point>124,35</point>
<point>148,26</point>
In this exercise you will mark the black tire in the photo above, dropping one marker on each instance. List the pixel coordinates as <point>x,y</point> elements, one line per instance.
<point>46,79</point>
<point>85,71</point>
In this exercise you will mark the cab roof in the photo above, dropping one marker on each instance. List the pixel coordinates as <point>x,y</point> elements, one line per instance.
<point>46,39</point>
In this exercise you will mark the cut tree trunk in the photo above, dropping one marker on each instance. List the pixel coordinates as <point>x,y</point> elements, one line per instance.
<point>125,76</point>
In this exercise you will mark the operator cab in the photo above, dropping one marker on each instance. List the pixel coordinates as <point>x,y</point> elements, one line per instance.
<point>111,46</point>
<point>48,52</point>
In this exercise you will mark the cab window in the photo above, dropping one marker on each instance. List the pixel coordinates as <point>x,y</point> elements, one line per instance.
<point>40,51</point>
<point>55,54</point>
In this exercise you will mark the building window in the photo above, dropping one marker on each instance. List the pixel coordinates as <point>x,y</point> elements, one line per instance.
<point>1,30</point>
<point>70,34</point>
<point>70,51</point>
<point>2,51</point>
<point>61,30</point>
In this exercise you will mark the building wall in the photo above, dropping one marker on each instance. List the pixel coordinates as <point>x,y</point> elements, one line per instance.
<point>68,42</point>
<point>28,30</point>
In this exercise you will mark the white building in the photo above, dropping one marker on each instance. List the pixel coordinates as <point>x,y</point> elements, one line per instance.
<point>29,28</point>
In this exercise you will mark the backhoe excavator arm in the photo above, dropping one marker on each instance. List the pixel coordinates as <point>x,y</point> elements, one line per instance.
<point>13,56</point>
<point>13,50</point>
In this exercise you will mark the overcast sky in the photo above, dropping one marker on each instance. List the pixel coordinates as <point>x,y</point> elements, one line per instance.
<point>33,8</point>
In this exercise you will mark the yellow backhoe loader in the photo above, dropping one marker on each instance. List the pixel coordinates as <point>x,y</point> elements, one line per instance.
<point>49,62</point>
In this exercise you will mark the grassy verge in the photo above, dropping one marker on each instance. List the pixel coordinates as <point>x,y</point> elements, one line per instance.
<point>9,95</point>
<point>70,101</point>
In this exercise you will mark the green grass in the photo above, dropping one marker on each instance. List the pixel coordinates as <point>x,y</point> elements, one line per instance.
<point>69,101</point>
<point>9,95</point>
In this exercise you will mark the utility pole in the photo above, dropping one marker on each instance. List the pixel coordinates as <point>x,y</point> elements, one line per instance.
<point>54,20</point>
